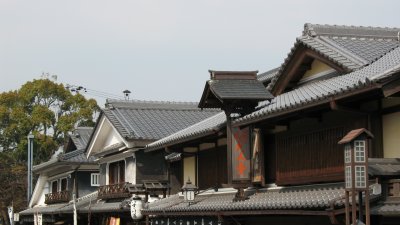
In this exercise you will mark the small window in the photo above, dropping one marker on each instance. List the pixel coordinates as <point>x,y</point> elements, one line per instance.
<point>348,177</point>
<point>64,186</point>
<point>95,179</point>
<point>54,186</point>
<point>360,177</point>
<point>359,151</point>
<point>347,153</point>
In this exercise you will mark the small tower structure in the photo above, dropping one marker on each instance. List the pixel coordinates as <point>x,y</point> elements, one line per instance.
<point>356,173</point>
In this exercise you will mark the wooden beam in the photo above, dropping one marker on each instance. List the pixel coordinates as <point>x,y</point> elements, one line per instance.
<point>334,106</point>
<point>391,88</point>
<point>248,213</point>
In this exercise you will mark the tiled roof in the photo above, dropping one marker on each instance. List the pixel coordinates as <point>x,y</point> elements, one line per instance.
<point>347,46</point>
<point>384,167</point>
<point>102,206</point>
<point>304,95</point>
<point>320,91</point>
<point>200,129</point>
<point>239,89</point>
<point>354,134</point>
<point>313,197</point>
<point>153,120</point>
<point>48,209</point>
<point>80,136</point>
<point>386,209</point>
<point>268,75</point>
<point>78,156</point>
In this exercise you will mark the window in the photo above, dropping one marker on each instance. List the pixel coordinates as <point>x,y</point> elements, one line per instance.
<point>360,177</point>
<point>63,182</point>
<point>54,186</point>
<point>116,172</point>
<point>58,185</point>
<point>95,179</point>
<point>347,153</point>
<point>348,177</point>
<point>359,151</point>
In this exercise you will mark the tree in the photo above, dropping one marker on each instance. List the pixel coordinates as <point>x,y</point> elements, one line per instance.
<point>44,108</point>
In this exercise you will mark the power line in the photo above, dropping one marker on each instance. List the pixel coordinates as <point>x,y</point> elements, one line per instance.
<point>86,91</point>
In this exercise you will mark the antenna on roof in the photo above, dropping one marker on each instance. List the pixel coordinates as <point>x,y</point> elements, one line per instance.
<point>127,93</point>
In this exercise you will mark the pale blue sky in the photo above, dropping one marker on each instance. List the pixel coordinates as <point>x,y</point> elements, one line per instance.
<point>161,50</point>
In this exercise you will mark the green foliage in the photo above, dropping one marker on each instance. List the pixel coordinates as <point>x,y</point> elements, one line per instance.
<point>46,109</point>
<point>49,111</point>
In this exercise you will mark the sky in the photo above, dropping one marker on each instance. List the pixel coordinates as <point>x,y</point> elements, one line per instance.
<point>161,50</point>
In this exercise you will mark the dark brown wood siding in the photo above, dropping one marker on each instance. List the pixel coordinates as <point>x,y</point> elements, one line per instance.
<point>175,176</point>
<point>309,152</point>
<point>310,157</point>
<point>212,169</point>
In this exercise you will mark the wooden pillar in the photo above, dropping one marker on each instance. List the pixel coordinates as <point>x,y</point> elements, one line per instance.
<point>354,207</point>
<point>367,210</point>
<point>347,208</point>
<point>229,145</point>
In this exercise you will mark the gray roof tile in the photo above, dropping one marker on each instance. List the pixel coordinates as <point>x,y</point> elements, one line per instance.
<point>384,166</point>
<point>386,209</point>
<point>80,136</point>
<point>348,46</point>
<point>77,156</point>
<point>312,92</point>
<point>313,197</point>
<point>239,89</point>
<point>153,120</point>
<point>268,75</point>
<point>200,129</point>
<point>48,209</point>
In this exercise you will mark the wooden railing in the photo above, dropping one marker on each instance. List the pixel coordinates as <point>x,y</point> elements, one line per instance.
<point>113,191</point>
<point>57,197</point>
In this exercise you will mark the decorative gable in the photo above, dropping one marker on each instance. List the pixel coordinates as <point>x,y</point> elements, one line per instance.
<point>105,138</point>
<point>343,48</point>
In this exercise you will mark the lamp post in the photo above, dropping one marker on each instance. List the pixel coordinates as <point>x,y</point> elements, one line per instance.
<point>189,191</point>
<point>30,162</point>
<point>356,173</point>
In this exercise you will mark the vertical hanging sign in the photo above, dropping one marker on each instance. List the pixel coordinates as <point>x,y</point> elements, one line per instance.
<point>240,154</point>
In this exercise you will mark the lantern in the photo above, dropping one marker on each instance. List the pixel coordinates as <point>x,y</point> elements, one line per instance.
<point>189,191</point>
<point>356,172</point>
<point>136,208</point>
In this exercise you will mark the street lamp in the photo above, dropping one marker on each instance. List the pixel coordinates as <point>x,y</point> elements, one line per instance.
<point>30,163</point>
<point>189,190</point>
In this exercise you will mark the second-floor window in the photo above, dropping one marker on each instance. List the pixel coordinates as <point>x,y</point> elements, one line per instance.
<point>59,185</point>
<point>54,186</point>
<point>95,179</point>
<point>116,172</point>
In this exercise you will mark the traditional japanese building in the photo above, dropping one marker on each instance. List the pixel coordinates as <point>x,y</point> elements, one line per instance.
<point>123,129</point>
<point>68,174</point>
<point>284,151</point>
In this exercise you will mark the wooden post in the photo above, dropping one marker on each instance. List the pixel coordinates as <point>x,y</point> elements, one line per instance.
<point>367,210</point>
<point>347,208</point>
<point>229,145</point>
<point>353,207</point>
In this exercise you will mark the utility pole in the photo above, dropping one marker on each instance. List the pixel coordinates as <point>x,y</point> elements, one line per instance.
<point>30,162</point>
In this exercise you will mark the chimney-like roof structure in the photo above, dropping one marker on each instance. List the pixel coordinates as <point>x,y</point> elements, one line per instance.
<point>235,89</point>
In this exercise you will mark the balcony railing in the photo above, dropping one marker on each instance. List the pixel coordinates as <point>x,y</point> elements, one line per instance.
<point>58,197</point>
<point>113,191</point>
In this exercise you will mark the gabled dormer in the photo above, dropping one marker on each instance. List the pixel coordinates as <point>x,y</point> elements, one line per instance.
<point>324,51</point>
